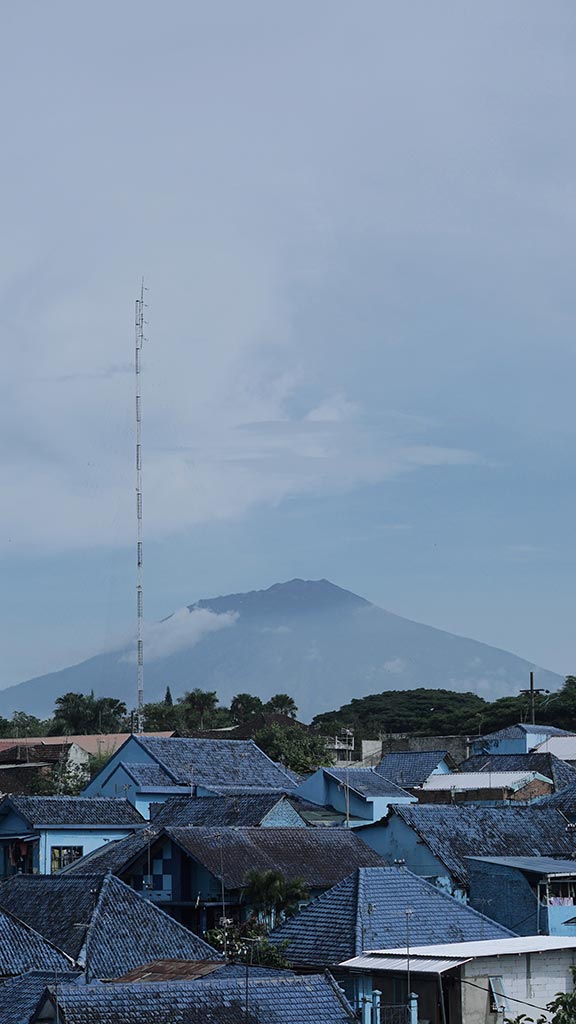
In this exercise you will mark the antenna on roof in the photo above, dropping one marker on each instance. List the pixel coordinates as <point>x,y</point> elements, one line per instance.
<point>139,598</point>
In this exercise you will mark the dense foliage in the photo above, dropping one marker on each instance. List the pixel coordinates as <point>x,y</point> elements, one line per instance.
<point>444,712</point>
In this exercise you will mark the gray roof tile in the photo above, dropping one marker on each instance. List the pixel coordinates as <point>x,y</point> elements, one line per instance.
<point>19,996</point>
<point>454,833</point>
<point>22,948</point>
<point>209,762</point>
<point>410,767</point>
<point>119,928</point>
<point>320,856</point>
<point>245,810</point>
<point>313,999</point>
<point>74,810</point>
<point>366,781</point>
<point>547,764</point>
<point>367,911</point>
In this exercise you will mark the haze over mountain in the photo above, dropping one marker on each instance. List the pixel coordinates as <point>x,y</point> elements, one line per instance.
<point>311,639</point>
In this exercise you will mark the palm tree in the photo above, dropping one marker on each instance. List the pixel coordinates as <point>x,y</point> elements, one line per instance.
<point>271,896</point>
<point>283,704</point>
<point>199,703</point>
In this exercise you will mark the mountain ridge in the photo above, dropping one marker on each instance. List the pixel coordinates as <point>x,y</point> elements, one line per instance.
<point>319,642</point>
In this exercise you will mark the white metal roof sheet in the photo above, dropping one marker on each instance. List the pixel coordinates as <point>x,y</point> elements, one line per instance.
<point>391,963</point>
<point>482,780</point>
<point>487,947</point>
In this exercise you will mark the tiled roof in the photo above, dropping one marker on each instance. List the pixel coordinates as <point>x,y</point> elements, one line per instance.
<point>22,948</point>
<point>410,767</point>
<point>561,773</point>
<point>513,732</point>
<point>368,909</point>
<point>453,833</point>
<point>218,810</point>
<point>215,762</point>
<point>101,920</point>
<point>19,996</point>
<point>148,774</point>
<point>74,810</point>
<point>366,781</point>
<point>313,999</point>
<point>320,856</point>
<point>112,856</point>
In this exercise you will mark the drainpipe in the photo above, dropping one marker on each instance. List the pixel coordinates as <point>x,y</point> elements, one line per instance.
<point>413,1007</point>
<point>376,997</point>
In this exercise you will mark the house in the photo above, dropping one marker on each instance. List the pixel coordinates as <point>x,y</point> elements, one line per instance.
<point>266,810</point>
<point>25,767</point>
<point>368,908</point>
<point>95,745</point>
<point>199,874</point>
<point>545,764</point>
<point>530,895</point>
<point>515,739</point>
<point>19,996</point>
<point>485,787</point>
<point>362,794</point>
<point>150,769</point>
<point>411,768</point>
<point>435,841</point>
<point>466,982</point>
<point>563,747</point>
<point>23,948</point>
<point>41,834</point>
<point>99,923</point>
<point>279,999</point>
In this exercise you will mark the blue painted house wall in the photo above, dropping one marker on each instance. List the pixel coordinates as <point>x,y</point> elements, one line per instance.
<point>503,744</point>
<point>510,896</point>
<point>321,788</point>
<point>396,841</point>
<point>104,784</point>
<point>89,838</point>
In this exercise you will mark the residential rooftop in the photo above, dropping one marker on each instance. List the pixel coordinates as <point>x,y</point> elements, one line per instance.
<point>119,928</point>
<point>313,999</point>
<point>368,907</point>
<point>73,810</point>
<point>408,768</point>
<point>454,833</point>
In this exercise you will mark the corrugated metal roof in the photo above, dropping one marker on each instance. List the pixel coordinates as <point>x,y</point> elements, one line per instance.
<point>417,965</point>
<point>540,865</point>
<point>488,947</point>
<point>483,780</point>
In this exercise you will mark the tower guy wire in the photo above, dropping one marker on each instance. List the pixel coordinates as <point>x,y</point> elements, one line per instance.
<point>139,583</point>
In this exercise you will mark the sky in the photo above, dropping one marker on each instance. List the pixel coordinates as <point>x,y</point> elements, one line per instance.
<point>356,227</point>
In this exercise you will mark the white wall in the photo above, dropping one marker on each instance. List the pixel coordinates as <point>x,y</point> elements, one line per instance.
<point>531,980</point>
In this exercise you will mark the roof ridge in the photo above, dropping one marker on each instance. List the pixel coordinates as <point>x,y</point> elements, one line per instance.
<point>23,924</point>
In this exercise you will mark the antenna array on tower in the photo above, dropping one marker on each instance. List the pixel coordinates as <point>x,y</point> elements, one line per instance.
<point>139,593</point>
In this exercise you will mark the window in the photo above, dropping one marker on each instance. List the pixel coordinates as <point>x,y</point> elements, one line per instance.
<point>498,1001</point>
<point>62,856</point>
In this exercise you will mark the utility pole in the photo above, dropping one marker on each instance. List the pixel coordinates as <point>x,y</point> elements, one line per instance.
<point>531,693</point>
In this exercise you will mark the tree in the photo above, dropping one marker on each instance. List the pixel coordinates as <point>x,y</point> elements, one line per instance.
<point>198,706</point>
<point>168,697</point>
<point>160,717</point>
<point>78,714</point>
<point>244,706</point>
<point>282,704</point>
<point>248,943</point>
<point>272,896</point>
<point>23,724</point>
<point>295,747</point>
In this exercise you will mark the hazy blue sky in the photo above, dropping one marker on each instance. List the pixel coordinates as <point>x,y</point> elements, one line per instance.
<point>357,222</point>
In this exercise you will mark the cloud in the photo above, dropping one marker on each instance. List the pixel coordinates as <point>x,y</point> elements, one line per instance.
<point>181,631</point>
<point>395,666</point>
<point>333,410</point>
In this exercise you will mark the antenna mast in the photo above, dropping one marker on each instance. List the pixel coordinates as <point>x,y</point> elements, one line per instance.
<point>139,600</point>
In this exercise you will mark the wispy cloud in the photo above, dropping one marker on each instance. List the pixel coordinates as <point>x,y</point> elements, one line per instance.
<point>181,631</point>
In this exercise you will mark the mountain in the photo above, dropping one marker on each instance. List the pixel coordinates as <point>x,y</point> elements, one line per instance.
<point>309,638</point>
